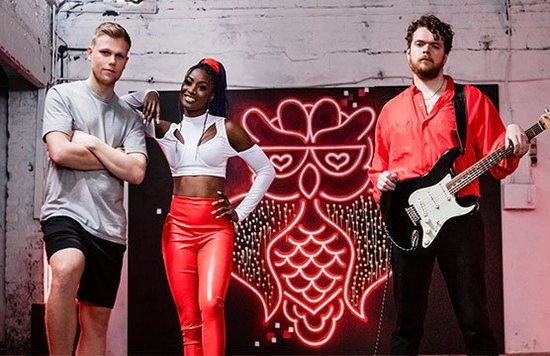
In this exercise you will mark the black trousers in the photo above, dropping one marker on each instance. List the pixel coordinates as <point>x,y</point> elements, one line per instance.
<point>460,253</point>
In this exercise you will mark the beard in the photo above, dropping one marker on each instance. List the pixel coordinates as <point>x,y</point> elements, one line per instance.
<point>426,70</point>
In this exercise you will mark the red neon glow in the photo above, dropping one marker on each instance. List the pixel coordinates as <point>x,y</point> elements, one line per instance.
<point>315,248</point>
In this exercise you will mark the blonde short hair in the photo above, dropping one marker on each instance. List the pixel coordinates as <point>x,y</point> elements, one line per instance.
<point>111,29</point>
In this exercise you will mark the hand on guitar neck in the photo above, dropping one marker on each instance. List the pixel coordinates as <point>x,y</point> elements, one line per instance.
<point>516,137</point>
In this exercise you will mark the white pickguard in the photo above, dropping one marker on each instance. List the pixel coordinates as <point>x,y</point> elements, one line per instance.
<point>434,206</point>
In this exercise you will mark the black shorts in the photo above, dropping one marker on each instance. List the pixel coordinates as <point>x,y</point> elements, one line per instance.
<point>103,267</point>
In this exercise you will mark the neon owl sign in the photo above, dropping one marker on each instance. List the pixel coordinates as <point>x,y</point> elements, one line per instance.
<point>315,248</point>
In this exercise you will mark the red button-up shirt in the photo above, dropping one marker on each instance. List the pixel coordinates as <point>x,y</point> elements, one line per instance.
<point>409,141</point>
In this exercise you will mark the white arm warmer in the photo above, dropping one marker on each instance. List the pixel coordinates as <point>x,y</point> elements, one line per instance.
<point>265,174</point>
<point>136,98</point>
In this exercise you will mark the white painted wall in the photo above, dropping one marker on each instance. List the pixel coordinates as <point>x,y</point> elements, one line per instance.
<point>316,43</point>
<point>25,38</point>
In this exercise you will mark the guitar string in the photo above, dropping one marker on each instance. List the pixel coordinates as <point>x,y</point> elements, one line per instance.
<point>481,167</point>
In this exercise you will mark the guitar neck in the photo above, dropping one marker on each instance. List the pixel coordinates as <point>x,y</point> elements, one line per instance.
<point>483,165</point>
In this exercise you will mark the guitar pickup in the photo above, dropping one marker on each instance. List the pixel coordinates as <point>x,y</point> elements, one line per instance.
<point>413,214</point>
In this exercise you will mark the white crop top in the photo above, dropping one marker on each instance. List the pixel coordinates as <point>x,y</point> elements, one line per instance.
<point>210,157</point>
<point>191,158</point>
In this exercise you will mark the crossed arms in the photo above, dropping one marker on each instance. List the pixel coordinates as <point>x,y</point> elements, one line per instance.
<point>85,152</point>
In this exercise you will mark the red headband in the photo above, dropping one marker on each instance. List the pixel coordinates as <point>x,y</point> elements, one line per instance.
<point>212,63</point>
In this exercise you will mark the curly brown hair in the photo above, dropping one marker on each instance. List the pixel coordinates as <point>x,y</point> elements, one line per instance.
<point>439,29</point>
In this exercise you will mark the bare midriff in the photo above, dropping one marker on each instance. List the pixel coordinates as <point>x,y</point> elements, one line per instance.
<point>198,186</point>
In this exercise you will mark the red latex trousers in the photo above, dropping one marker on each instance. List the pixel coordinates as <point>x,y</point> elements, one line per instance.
<point>198,252</point>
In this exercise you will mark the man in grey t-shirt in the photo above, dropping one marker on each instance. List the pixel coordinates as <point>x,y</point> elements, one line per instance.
<point>95,142</point>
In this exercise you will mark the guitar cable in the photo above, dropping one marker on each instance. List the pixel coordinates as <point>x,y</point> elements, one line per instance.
<point>414,244</point>
<point>383,306</point>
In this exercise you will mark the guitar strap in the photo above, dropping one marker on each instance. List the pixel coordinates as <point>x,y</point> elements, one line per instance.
<point>459,102</point>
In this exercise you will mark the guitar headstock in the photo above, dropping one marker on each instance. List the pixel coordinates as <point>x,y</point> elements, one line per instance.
<point>545,119</point>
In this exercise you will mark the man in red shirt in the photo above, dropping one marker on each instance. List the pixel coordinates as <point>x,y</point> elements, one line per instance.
<point>413,131</point>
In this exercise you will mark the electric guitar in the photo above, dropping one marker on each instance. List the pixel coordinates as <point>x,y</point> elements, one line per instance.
<point>417,209</point>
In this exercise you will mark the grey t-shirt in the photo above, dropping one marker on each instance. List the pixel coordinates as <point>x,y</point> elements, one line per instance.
<point>93,198</point>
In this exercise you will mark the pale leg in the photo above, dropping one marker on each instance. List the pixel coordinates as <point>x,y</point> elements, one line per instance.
<point>61,316</point>
<point>94,321</point>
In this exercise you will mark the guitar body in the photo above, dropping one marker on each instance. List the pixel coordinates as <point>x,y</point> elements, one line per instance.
<point>417,209</point>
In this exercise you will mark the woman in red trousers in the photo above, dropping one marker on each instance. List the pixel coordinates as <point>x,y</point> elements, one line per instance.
<point>198,234</point>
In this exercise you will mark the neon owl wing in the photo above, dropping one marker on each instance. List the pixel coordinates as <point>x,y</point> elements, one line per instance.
<point>250,260</point>
<point>363,224</point>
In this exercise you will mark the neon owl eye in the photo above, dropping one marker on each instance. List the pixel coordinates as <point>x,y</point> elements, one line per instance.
<point>287,162</point>
<point>337,161</point>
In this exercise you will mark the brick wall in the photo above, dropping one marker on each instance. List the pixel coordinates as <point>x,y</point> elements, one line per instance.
<point>312,43</point>
<point>24,266</point>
